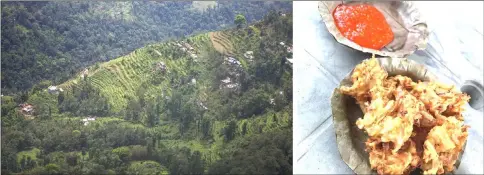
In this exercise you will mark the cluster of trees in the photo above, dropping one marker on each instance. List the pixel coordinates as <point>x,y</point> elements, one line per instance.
<point>268,153</point>
<point>142,110</point>
<point>106,149</point>
<point>54,40</point>
<point>180,107</point>
<point>131,142</point>
<point>83,100</point>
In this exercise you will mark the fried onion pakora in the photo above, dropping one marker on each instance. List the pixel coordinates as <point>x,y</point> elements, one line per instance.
<point>443,146</point>
<point>366,75</point>
<point>410,124</point>
<point>440,99</point>
<point>385,162</point>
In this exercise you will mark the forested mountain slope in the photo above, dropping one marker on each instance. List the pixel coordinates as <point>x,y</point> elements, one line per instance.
<point>56,40</point>
<point>217,102</point>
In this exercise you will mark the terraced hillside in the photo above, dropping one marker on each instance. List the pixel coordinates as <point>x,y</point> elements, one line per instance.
<point>221,42</point>
<point>120,78</point>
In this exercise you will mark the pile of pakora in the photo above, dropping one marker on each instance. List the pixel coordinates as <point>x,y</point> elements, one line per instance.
<point>410,124</point>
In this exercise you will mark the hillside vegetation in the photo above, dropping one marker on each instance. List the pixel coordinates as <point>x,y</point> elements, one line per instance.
<point>56,40</point>
<point>210,103</point>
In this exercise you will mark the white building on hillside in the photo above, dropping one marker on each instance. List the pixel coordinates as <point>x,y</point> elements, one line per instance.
<point>87,120</point>
<point>54,90</point>
<point>249,55</point>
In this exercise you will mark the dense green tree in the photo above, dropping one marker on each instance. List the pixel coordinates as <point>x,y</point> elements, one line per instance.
<point>183,161</point>
<point>123,153</point>
<point>229,131</point>
<point>240,20</point>
<point>10,116</point>
<point>179,164</point>
<point>8,105</point>
<point>253,102</point>
<point>52,168</point>
<point>139,152</point>
<point>60,98</point>
<point>23,163</point>
<point>152,116</point>
<point>71,159</point>
<point>133,109</point>
<point>196,163</point>
<point>76,133</point>
<point>206,129</point>
<point>244,128</point>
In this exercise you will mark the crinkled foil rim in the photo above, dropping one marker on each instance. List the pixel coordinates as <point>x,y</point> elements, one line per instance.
<point>350,139</point>
<point>417,37</point>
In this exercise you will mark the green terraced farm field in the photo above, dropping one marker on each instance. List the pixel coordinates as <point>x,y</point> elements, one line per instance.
<point>222,43</point>
<point>121,77</point>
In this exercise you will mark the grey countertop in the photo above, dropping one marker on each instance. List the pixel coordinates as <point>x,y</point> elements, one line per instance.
<point>454,53</point>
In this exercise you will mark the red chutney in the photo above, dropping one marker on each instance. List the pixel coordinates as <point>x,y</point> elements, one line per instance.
<point>364,25</point>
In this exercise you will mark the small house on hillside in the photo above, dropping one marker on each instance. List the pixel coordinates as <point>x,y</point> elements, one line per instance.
<point>249,55</point>
<point>232,61</point>
<point>157,52</point>
<point>233,85</point>
<point>88,119</point>
<point>161,66</point>
<point>272,101</point>
<point>188,46</point>
<point>227,80</point>
<point>194,55</point>
<point>27,108</point>
<point>282,43</point>
<point>289,49</point>
<point>202,105</point>
<point>84,73</point>
<point>54,89</point>
<point>227,83</point>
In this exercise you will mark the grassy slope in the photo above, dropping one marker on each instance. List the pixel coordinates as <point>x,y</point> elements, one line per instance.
<point>122,76</point>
